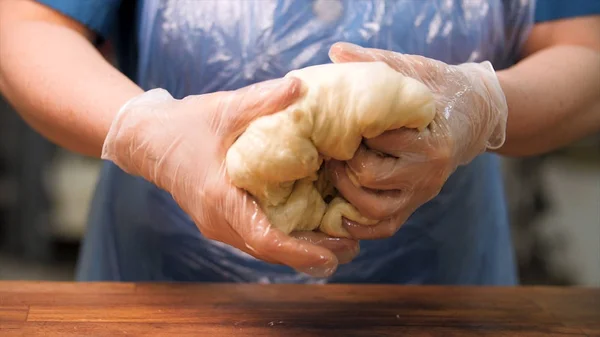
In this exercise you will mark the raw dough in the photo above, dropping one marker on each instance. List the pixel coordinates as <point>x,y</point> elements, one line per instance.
<point>278,158</point>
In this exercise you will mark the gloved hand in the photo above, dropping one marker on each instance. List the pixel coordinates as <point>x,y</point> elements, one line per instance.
<point>390,176</point>
<point>180,146</point>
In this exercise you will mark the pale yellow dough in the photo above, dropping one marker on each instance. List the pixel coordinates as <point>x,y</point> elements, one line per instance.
<point>277,158</point>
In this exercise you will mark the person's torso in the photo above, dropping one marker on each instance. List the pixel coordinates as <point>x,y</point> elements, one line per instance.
<point>194,47</point>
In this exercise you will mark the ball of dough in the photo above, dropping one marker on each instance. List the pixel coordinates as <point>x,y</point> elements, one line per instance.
<point>278,157</point>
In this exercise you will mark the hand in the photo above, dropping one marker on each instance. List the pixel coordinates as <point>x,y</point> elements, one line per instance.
<point>392,175</point>
<point>180,146</point>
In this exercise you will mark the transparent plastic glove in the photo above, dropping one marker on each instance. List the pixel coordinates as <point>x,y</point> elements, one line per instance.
<point>180,145</point>
<point>391,175</point>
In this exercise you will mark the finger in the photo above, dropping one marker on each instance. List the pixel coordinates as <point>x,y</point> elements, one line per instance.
<point>344,249</point>
<point>376,205</point>
<point>242,106</point>
<point>400,141</point>
<point>384,229</point>
<point>370,169</point>
<point>433,142</point>
<point>252,225</point>
<point>342,52</point>
<point>212,226</point>
<point>229,236</point>
<point>412,174</point>
<point>414,66</point>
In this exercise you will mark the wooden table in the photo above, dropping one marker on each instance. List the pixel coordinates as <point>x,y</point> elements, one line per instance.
<point>125,309</point>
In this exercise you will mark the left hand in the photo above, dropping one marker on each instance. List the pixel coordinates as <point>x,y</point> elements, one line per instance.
<point>180,146</point>
<point>391,175</point>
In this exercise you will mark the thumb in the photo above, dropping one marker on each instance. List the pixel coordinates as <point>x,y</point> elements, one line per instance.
<point>415,66</point>
<point>239,108</point>
<point>267,242</point>
<point>342,52</point>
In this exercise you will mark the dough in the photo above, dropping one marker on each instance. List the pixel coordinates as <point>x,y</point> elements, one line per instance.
<point>278,157</point>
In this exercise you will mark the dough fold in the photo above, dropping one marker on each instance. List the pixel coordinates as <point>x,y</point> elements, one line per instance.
<point>278,157</point>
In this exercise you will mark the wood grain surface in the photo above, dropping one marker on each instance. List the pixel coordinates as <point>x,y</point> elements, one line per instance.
<point>147,309</point>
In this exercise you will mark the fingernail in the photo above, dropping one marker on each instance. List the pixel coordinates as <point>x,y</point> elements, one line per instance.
<point>337,51</point>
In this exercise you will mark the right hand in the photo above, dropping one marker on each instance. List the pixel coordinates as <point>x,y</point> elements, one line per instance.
<point>395,173</point>
<point>180,146</point>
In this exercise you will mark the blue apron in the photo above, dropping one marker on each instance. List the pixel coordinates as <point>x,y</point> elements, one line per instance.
<point>138,233</point>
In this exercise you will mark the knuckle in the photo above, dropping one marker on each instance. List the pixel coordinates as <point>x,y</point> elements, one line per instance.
<point>378,213</point>
<point>437,182</point>
<point>404,183</point>
<point>441,156</point>
<point>429,194</point>
<point>390,229</point>
<point>366,177</point>
<point>434,183</point>
<point>362,175</point>
<point>378,210</point>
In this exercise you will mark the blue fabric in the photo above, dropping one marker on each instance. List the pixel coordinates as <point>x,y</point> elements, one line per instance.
<point>137,232</point>
<point>98,15</point>
<point>549,10</point>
